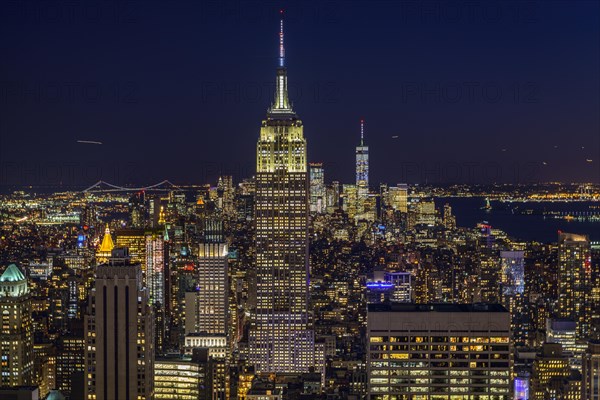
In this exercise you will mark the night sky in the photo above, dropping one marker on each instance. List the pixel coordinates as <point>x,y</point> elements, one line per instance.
<point>475,92</point>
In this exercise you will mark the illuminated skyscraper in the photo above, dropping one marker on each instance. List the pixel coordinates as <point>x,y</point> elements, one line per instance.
<point>402,285</point>
<point>362,164</point>
<point>549,365</point>
<point>333,197</point>
<point>195,377</point>
<point>207,305</point>
<point>513,272</point>
<point>135,241</point>
<point>574,280</point>
<point>449,218</point>
<point>488,275</point>
<point>156,273</point>
<point>178,377</point>
<point>16,336</point>
<point>317,188</point>
<point>426,212</point>
<point>438,351</point>
<point>156,262</point>
<point>591,371</point>
<point>512,289</point>
<point>103,253</point>
<point>225,195</point>
<point>70,361</point>
<point>119,333</point>
<point>281,338</point>
<point>564,332</point>
<point>213,288</point>
<point>137,209</point>
<point>351,202</point>
<point>398,197</point>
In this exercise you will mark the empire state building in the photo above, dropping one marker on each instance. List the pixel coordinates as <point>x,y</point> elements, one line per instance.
<point>281,338</point>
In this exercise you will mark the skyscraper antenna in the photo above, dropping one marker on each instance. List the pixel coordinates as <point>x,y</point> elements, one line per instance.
<point>281,49</point>
<point>362,131</point>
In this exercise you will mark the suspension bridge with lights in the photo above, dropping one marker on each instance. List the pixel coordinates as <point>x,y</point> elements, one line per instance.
<point>104,187</point>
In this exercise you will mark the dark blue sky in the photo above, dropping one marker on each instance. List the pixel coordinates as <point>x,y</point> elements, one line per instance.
<point>476,91</point>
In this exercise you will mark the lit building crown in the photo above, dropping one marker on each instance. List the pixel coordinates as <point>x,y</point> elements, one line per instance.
<point>12,282</point>
<point>281,103</point>
<point>107,242</point>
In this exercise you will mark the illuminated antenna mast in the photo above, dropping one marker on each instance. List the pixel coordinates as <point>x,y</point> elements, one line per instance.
<point>362,132</point>
<point>281,49</point>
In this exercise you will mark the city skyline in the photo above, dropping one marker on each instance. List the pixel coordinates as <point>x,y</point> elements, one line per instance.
<point>302,275</point>
<point>422,84</point>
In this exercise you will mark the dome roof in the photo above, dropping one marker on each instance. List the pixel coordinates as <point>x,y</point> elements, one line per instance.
<point>12,274</point>
<point>55,395</point>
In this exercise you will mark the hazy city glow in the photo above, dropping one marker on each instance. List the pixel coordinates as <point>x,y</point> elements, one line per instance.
<point>286,284</point>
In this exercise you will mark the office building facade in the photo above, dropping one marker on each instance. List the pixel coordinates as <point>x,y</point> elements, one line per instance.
<point>119,332</point>
<point>438,351</point>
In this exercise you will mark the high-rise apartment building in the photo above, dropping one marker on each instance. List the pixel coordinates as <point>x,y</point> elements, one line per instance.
<point>488,274</point>
<point>213,288</point>
<point>157,272</point>
<point>44,367</point>
<point>119,333</point>
<point>512,288</point>
<point>16,336</point>
<point>438,351</point>
<point>156,266</point>
<point>281,338</point>
<point>574,280</point>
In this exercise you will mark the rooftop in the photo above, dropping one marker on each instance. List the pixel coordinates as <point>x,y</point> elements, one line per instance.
<point>12,274</point>
<point>436,307</point>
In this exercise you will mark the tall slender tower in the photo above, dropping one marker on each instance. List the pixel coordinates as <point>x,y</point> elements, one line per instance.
<point>210,300</point>
<point>119,333</point>
<point>574,280</point>
<point>16,334</point>
<point>362,164</point>
<point>281,338</point>
<point>317,188</point>
<point>157,261</point>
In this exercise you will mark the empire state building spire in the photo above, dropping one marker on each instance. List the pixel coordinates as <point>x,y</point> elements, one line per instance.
<point>281,48</point>
<point>281,103</point>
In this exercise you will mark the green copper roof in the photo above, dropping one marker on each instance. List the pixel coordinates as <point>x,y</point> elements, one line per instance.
<point>12,274</point>
<point>55,395</point>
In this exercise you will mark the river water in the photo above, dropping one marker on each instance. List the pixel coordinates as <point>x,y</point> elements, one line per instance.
<point>528,221</point>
